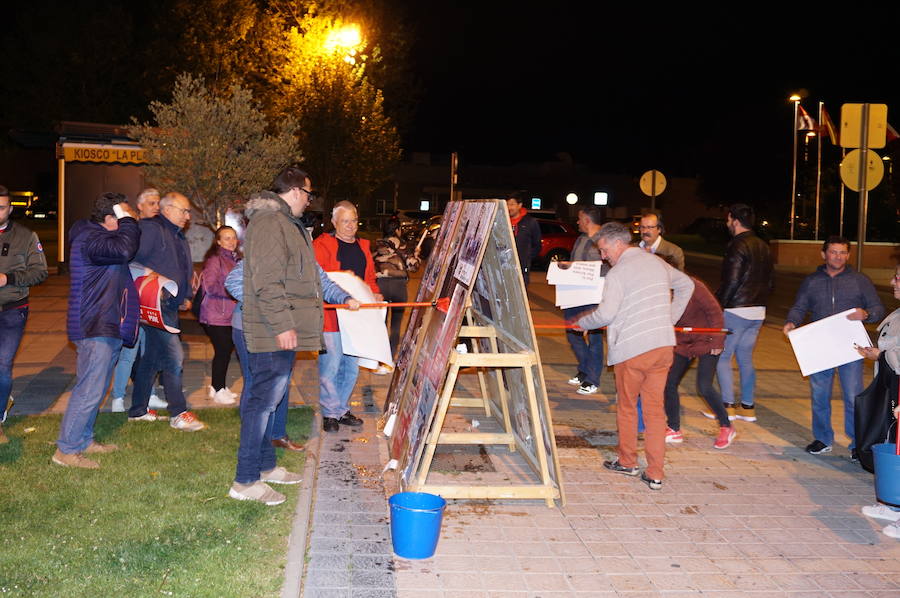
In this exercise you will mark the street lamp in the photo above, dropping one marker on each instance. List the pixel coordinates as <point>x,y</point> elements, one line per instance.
<point>344,39</point>
<point>571,199</point>
<point>796,99</point>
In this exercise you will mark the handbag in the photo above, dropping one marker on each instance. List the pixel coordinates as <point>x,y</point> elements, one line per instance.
<point>874,413</point>
<point>198,297</point>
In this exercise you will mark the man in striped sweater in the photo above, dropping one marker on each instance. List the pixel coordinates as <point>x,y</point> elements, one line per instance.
<point>639,312</point>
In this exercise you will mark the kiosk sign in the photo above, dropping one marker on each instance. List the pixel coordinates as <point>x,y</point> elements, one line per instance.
<point>84,152</point>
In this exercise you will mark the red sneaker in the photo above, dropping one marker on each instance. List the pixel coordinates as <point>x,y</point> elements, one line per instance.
<point>674,436</point>
<point>726,435</point>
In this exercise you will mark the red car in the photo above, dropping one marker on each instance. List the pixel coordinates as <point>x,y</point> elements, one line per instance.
<point>557,241</point>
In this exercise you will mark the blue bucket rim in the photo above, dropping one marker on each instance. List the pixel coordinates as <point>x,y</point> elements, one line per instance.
<point>394,505</point>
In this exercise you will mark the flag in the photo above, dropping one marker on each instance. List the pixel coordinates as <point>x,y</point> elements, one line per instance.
<point>804,121</point>
<point>891,133</point>
<point>827,128</point>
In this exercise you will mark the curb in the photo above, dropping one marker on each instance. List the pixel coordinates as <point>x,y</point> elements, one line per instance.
<point>299,538</point>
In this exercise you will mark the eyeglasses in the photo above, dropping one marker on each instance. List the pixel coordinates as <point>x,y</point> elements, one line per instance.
<point>652,226</point>
<point>184,211</point>
<point>309,194</point>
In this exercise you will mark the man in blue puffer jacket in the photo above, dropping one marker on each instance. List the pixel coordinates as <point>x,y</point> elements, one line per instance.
<point>834,288</point>
<point>103,314</point>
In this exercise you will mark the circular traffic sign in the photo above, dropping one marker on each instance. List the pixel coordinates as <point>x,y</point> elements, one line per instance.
<point>652,183</point>
<point>850,169</point>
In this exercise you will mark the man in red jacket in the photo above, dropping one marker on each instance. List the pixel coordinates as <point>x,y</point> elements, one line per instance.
<point>341,250</point>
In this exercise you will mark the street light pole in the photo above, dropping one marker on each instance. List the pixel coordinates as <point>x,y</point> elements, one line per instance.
<point>796,99</point>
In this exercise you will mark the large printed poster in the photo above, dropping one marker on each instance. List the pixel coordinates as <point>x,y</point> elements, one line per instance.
<point>448,275</point>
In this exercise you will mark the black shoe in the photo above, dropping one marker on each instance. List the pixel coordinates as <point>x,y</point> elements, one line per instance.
<point>619,468</point>
<point>330,424</point>
<point>348,419</point>
<point>817,447</point>
<point>854,456</point>
<point>654,484</point>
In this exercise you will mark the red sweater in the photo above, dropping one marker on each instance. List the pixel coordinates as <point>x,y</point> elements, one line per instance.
<point>702,311</point>
<point>326,248</point>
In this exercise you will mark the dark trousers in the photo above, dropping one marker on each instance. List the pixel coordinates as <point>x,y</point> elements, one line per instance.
<point>394,290</point>
<point>223,345</point>
<point>162,352</point>
<point>12,328</point>
<point>706,368</point>
<point>587,346</point>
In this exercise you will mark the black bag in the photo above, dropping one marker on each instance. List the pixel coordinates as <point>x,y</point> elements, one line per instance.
<point>874,413</point>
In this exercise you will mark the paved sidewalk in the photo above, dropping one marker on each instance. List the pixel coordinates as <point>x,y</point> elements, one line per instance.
<point>761,518</point>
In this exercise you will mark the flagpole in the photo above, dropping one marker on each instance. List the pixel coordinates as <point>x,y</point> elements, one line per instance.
<point>819,168</point>
<point>841,218</point>
<point>796,100</point>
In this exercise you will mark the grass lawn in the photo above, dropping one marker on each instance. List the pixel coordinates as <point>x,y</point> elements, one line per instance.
<point>154,520</point>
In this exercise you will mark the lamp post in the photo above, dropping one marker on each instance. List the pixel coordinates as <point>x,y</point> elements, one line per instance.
<point>796,99</point>
<point>344,39</point>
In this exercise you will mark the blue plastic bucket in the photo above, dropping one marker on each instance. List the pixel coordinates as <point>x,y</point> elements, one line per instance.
<point>887,473</point>
<point>416,523</point>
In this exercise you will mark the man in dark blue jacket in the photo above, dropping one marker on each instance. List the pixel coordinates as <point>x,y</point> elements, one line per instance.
<point>165,250</point>
<point>103,314</point>
<point>831,289</point>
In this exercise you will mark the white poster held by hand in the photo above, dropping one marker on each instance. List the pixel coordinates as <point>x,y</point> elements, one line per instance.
<point>363,332</point>
<point>828,343</point>
<point>576,283</point>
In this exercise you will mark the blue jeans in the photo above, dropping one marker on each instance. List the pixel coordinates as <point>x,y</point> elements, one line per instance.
<point>820,384</point>
<point>740,344</point>
<point>588,352</point>
<point>271,376</point>
<point>125,365</point>
<point>96,358</point>
<point>12,327</point>
<point>279,422</point>
<point>162,352</point>
<point>337,377</point>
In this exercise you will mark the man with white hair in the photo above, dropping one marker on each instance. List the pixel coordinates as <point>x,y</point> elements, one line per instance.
<point>341,250</point>
<point>639,313</point>
<point>148,203</point>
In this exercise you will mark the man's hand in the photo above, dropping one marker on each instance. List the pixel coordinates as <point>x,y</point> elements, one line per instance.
<point>858,314</point>
<point>287,340</point>
<point>126,207</point>
<point>788,327</point>
<point>379,297</point>
<point>353,304</point>
<point>185,306</point>
<point>716,352</point>
<point>3,280</point>
<point>869,352</point>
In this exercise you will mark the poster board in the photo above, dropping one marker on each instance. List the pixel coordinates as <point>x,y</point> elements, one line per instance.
<point>474,261</point>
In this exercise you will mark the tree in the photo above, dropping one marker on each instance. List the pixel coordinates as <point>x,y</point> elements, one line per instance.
<point>213,148</point>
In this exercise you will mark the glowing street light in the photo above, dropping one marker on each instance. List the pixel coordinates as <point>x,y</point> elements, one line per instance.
<point>345,39</point>
<point>571,199</point>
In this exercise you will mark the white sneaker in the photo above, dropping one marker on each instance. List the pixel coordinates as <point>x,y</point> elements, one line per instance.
<point>187,422</point>
<point>224,396</point>
<point>157,403</point>
<point>235,396</point>
<point>211,392</point>
<point>257,491</point>
<point>381,371</point>
<point>118,405</point>
<point>893,530</point>
<point>280,475</point>
<point>880,511</point>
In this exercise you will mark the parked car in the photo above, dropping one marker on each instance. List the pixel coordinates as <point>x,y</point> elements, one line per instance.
<point>42,209</point>
<point>557,241</point>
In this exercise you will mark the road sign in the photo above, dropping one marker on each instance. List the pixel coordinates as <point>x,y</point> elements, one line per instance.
<point>850,170</point>
<point>653,183</point>
<point>851,125</point>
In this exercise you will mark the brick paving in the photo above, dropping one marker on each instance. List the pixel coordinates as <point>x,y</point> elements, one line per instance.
<point>761,518</point>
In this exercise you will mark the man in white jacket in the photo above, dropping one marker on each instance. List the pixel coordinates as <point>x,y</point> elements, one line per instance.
<point>640,312</point>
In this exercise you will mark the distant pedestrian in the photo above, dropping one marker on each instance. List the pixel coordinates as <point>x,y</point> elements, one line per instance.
<point>834,288</point>
<point>22,265</point>
<point>747,282</point>
<point>341,250</point>
<point>217,307</point>
<point>587,345</point>
<point>703,311</point>
<point>526,231</point>
<point>639,311</point>
<point>102,316</point>
<point>652,229</point>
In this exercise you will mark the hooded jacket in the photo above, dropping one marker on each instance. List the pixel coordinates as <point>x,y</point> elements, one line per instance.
<point>103,300</point>
<point>282,290</point>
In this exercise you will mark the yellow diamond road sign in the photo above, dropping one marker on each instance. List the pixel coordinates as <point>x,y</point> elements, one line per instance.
<point>851,125</point>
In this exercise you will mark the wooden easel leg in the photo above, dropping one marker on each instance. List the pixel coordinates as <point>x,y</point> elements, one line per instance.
<point>437,424</point>
<point>538,435</point>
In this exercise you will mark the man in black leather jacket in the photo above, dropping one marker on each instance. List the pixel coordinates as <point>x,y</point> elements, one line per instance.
<point>747,282</point>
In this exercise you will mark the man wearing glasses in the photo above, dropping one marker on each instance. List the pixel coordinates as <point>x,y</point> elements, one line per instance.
<point>651,240</point>
<point>165,250</point>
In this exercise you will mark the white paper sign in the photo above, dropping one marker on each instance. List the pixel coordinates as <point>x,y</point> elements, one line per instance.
<point>574,273</point>
<point>363,332</point>
<point>828,343</point>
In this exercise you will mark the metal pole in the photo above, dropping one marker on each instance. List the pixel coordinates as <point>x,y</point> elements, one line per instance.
<point>863,193</point>
<point>61,210</point>
<point>843,187</point>
<point>794,169</point>
<point>818,168</point>
<point>453,164</point>
<point>653,190</point>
